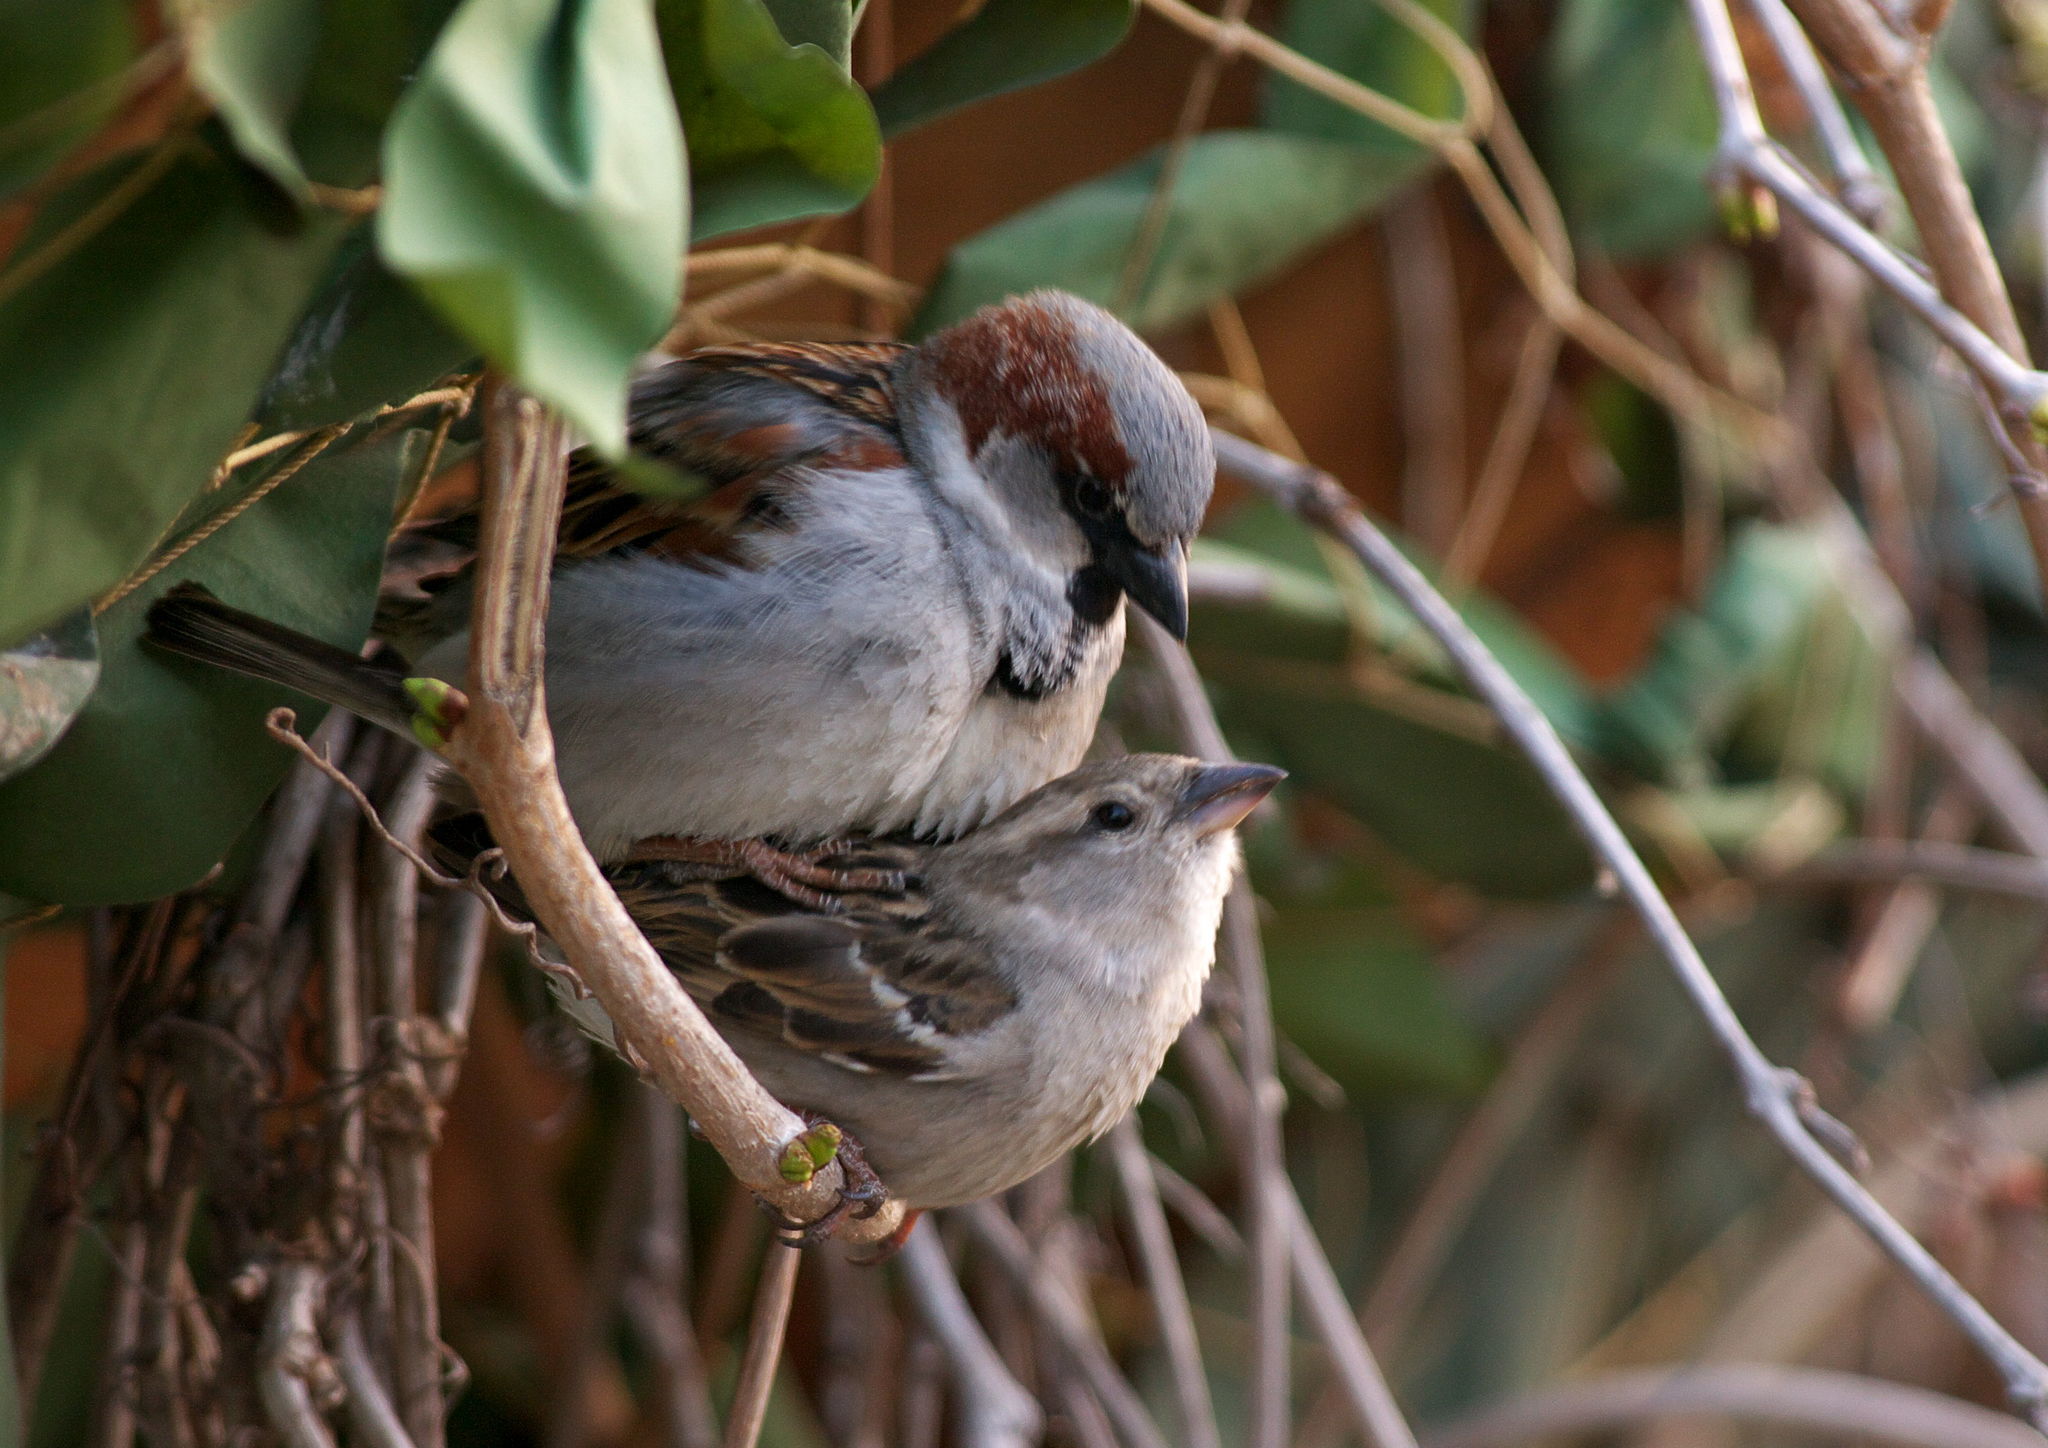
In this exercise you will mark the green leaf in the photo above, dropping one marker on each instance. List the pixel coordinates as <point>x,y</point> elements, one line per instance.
<point>1246,204</point>
<point>58,81</point>
<point>535,195</point>
<point>1359,993</point>
<point>1369,45</point>
<point>44,682</point>
<point>249,58</point>
<point>1776,672</point>
<point>1393,743</point>
<point>777,131</point>
<point>367,339</point>
<point>125,371</point>
<point>1630,151</point>
<point>827,24</point>
<point>1003,46</point>
<point>168,763</point>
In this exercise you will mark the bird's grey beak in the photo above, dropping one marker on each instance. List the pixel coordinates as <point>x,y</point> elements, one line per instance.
<point>1154,579</point>
<point>1220,795</point>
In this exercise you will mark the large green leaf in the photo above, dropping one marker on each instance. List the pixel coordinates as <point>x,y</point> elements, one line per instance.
<point>535,195</point>
<point>126,369</point>
<point>58,80</point>
<point>367,339</point>
<point>1246,204</point>
<point>1631,138</point>
<point>827,24</point>
<point>1393,742</point>
<point>777,131</point>
<point>1003,46</point>
<point>1776,672</point>
<point>169,762</point>
<point>1358,991</point>
<point>1366,43</point>
<point>249,58</point>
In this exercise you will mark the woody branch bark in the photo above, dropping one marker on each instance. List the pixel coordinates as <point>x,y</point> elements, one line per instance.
<point>505,750</point>
<point>1777,1097</point>
<point>1966,303</point>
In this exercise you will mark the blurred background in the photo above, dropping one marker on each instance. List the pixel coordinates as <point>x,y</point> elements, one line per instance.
<point>1526,1159</point>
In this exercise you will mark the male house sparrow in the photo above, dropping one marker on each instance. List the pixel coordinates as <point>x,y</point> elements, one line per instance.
<point>898,607</point>
<point>1014,1001</point>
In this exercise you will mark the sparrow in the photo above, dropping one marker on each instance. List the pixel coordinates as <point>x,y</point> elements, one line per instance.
<point>897,606</point>
<point>1011,1002</point>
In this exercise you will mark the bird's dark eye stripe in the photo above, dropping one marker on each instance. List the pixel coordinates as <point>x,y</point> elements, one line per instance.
<point>1113,814</point>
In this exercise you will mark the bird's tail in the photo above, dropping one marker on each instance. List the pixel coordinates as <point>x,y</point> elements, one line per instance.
<point>190,621</point>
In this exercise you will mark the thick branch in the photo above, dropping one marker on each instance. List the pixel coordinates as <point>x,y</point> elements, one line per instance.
<point>506,752</point>
<point>1775,1096</point>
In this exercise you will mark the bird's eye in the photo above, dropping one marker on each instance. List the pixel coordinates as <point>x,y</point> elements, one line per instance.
<point>1092,498</point>
<point>1113,814</point>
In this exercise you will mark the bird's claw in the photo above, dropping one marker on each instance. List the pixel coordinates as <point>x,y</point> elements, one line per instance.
<point>861,1192</point>
<point>801,876</point>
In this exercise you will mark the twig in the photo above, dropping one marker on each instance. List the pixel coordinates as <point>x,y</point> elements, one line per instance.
<point>1862,191</point>
<point>1970,310</point>
<point>405,1113</point>
<point>1983,758</point>
<point>1775,1096</point>
<point>657,1289</point>
<point>290,1361</point>
<point>1064,1322</point>
<point>1161,1269</point>
<point>1960,867</point>
<point>1840,1405</point>
<point>1358,1372</point>
<point>990,1406</point>
<point>369,1407</point>
<point>1261,1161</point>
<point>1203,1216</point>
<point>1422,297</point>
<point>506,752</point>
<point>764,1344</point>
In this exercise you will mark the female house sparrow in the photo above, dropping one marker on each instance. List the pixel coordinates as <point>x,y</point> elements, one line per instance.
<point>1013,1002</point>
<point>898,607</point>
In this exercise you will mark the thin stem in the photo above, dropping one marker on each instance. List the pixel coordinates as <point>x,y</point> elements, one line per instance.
<point>1161,1268</point>
<point>990,1407</point>
<point>764,1344</point>
<point>1844,1407</point>
<point>1778,1098</point>
<point>1064,1321</point>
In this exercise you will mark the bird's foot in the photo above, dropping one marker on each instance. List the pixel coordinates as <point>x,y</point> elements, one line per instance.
<point>861,1192</point>
<point>798,875</point>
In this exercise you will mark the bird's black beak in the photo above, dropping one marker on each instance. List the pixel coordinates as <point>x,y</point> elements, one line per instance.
<point>1154,579</point>
<point>1221,795</point>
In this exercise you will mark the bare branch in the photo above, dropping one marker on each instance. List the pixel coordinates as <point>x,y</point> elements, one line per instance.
<point>1969,308</point>
<point>1840,1405</point>
<point>1170,1307</point>
<point>1775,1096</point>
<point>1261,1161</point>
<point>1064,1321</point>
<point>990,1406</point>
<point>1358,1372</point>
<point>290,1360</point>
<point>506,752</point>
<point>369,1407</point>
<point>764,1344</point>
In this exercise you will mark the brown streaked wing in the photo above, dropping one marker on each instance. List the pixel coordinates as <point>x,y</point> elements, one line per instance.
<point>742,419</point>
